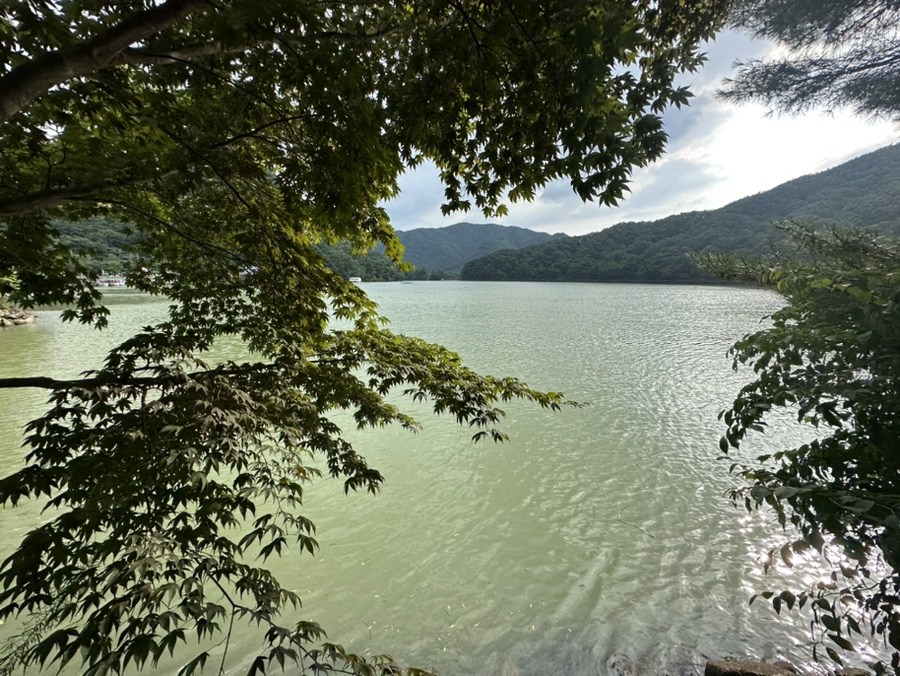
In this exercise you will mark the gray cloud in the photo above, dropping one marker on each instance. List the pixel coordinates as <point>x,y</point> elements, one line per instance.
<point>722,53</point>
<point>421,195</point>
<point>673,182</point>
<point>557,192</point>
<point>688,126</point>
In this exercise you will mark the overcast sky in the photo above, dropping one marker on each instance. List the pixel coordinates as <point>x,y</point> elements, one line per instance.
<point>717,153</point>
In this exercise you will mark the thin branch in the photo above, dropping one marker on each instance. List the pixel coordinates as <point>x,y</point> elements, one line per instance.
<point>145,56</point>
<point>547,62</point>
<point>196,153</point>
<point>269,103</point>
<point>104,380</point>
<point>621,520</point>
<point>47,383</point>
<point>214,249</point>
<point>253,133</point>
<point>140,56</point>
<point>355,37</point>
<point>54,384</point>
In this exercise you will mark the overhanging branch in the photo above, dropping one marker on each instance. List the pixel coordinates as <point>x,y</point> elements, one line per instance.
<point>45,383</point>
<point>51,197</point>
<point>153,57</point>
<point>33,78</point>
<point>113,47</point>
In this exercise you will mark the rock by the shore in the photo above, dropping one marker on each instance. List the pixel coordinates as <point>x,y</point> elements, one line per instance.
<point>14,317</point>
<point>748,668</point>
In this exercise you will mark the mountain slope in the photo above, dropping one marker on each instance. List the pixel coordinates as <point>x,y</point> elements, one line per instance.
<point>449,248</point>
<point>436,252</point>
<point>862,192</point>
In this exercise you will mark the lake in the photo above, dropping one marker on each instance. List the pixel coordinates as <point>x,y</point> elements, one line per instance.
<point>593,531</point>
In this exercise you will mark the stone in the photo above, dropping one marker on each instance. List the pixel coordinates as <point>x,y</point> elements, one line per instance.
<point>747,668</point>
<point>15,317</point>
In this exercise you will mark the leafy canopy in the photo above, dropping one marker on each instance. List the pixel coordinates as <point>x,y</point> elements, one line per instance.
<point>234,137</point>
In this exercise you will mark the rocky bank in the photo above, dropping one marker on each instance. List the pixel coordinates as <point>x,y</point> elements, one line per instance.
<point>14,317</point>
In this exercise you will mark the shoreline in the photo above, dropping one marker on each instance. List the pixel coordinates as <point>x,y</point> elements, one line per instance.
<point>13,316</point>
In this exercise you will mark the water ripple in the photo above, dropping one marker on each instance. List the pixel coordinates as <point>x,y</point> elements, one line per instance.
<point>595,535</point>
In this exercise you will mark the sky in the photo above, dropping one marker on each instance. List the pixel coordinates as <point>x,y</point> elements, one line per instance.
<point>717,152</point>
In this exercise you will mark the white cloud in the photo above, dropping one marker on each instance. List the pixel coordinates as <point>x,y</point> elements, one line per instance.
<point>717,153</point>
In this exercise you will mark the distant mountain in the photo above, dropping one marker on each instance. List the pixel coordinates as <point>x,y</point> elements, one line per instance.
<point>862,192</point>
<point>103,244</point>
<point>451,247</point>
<point>436,252</point>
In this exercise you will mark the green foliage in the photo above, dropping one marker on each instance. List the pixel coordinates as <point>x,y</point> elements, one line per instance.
<point>842,53</point>
<point>233,138</point>
<point>9,283</point>
<point>862,192</point>
<point>168,475</point>
<point>832,358</point>
<point>195,94</point>
<point>832,355</point>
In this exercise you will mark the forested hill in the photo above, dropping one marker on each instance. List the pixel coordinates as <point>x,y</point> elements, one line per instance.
<point>862,192</point>
<point>451,247</point>
<point>436,252</point>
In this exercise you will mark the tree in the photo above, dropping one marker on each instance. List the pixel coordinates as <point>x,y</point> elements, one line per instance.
<point>831,354</point>
<point>841,53</point>
<point>832,357</point>
<point>233,137</point>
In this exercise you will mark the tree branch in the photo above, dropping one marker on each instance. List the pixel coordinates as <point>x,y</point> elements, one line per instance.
<point>46,383</point>
<point>153,57</point>
<point>52,197</point>
<point>142,56</point>
<point>28,81</point>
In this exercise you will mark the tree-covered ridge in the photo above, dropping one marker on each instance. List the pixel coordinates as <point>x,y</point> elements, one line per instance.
<point>435,253</point>
<point>371,266</point>
<point>860,193</point>
<point>451,247</point>
<point>105,246</point>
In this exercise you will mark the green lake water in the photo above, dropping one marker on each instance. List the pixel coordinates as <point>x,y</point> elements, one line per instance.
<point>591,532</point>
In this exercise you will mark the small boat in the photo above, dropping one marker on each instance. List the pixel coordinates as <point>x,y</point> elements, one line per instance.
<point>356,280</point>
